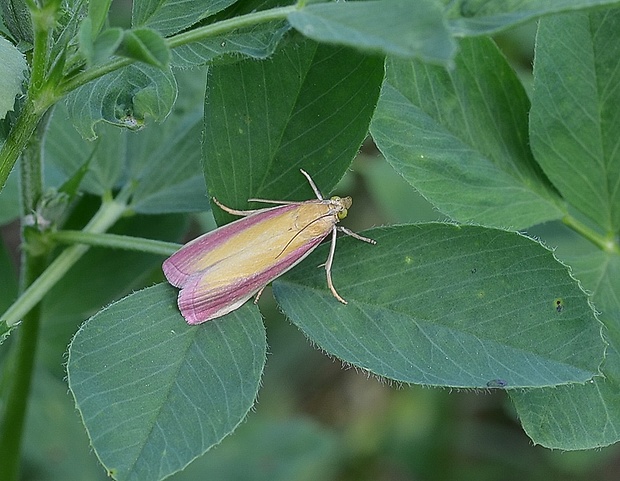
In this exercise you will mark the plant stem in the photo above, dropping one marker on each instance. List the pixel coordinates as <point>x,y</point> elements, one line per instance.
<point>108,214</point>
<point>229,25</point>
<point>21,362</point>
<point>39,99</point>
<point>605,243</point>
<point>178,40</point>
<point>20,135</point>
<point>19,374</point>
<point>116,241</point>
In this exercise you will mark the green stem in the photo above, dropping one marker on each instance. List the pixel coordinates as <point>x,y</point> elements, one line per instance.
<point>20,135</point>
<point>178,40</point>
<point>115,241</point>
<point>18,372</point>
<point>107,215</point>
<point>41,23</point>
<point>606,243</point>
<point>229,25</point>
<point>21,363</point>
<point>93,74</point>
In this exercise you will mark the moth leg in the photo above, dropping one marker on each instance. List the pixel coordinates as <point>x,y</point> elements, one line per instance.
<point>280,202</point>
<point>316,190</point>
<point>328,268</point>
<point>233,211</point>
<point>356,236</point>
<point>258,294</point>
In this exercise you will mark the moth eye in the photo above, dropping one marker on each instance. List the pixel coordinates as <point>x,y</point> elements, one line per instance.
<point>342,214</point>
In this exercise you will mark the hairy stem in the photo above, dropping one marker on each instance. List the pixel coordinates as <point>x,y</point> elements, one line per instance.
<point>21,363</point>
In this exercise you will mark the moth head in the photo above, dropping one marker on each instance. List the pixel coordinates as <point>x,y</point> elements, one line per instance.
<point>342,205</point>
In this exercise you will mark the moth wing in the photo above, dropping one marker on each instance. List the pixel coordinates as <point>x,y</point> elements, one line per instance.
<point>200,302</point>
<point>193,257</point>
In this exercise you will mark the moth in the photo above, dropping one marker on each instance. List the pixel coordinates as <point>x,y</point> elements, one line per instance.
<point>220,270</point>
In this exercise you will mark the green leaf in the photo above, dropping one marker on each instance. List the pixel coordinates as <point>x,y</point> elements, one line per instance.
<point>146,45</point>
<point>172,16</point>
<point>101,277</point>
<point>67,27</point>
<point>479,17</point>
<point>5,330</point>
<point>393,27</point>
<point>459,136</point>
<point>575,118</point>
<point>556,418</point>
<point>398,202</point>
<point>98,14</point>
<point>162,161</point>
<point>15,15</point>
<point>103,47</point>
<point>12,67</point>
<point>124,98</point>
<point>67,151</point>
<point>258,41</point>
<point>165,165</point>
<point>446,305</point>
<point>155,393</point>
<point>307,107</point>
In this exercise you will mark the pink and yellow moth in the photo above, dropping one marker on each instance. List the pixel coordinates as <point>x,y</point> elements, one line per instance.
<point>220,270</point>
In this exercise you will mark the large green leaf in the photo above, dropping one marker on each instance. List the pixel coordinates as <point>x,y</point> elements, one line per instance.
<point>155,393</point>
<point>575,117</point>
<point>126,98</point>
<point>307,107</point>
<point>447,305</point>
<point>394,27</point>
<point>459,136</point>
<point>583,416</point>
<point>172,16</point>
<point>12,68</point>
<point>478,17</point>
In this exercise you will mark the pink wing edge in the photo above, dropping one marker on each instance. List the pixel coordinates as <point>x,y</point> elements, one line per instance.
<point>178,268</point>
<point>198,307</point>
